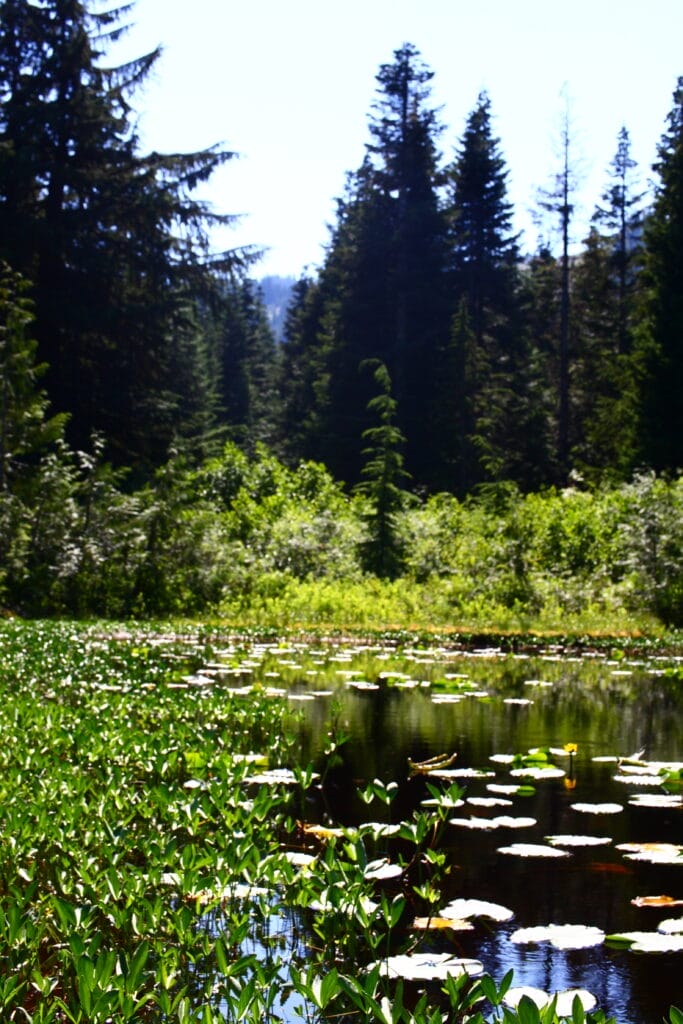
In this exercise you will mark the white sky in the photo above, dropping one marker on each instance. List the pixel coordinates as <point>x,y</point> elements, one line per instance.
<point>288,84</point>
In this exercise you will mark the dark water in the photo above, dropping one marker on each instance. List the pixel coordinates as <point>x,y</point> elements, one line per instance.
<point>608,708</point>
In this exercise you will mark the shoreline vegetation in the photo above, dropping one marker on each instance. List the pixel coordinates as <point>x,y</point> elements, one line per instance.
<point>249,540</point>
<point>167,857</point>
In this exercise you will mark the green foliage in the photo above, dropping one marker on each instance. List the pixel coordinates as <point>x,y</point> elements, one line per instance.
<point>384,473</point>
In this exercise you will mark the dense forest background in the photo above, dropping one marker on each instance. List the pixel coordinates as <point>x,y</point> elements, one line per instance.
<point>428,359</point>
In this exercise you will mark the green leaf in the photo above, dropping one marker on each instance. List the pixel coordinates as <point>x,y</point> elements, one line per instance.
<point>528,1012</point>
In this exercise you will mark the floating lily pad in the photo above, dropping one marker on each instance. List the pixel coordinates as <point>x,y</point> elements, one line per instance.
<point>639,780</point>
<point>537,773</point>
<point>571,840</point>
<point>381,870</point>
<point>474,823</point>
<point>647,942</point>
<point>671,926</point>
<point>379,829</point>
<point>561,936</point>
<point>507,821</point>
<point>653,853</point>
<point>565,998</point>
<point>656,901</point>
<point>464,908</point>
<point>511,790</point>
<point>428,966</point>
<point>488,801</point>
<point>456,924</point>
<point>532,850</point>
<point>656,800</point>
<point>606,808</point>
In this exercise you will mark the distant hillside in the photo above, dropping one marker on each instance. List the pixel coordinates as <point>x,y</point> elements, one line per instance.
<point>276,294</point>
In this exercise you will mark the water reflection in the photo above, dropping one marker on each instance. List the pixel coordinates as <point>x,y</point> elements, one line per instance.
<point>607,708</point>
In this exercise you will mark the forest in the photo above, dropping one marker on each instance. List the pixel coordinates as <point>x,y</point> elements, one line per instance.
<point>451,429</point>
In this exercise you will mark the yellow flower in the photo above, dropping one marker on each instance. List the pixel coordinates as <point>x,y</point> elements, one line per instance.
<point>571,748</point>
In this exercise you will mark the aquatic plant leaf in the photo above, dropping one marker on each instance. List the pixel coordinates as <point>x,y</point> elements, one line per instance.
<point>537,772</point>
<point>321,831</point>
<point>653,853</point>
<point>379,829</point>
<point>466,908</point>
<point>437,923</point>
<point>639,780</point>
<point>512,791</point>
<point>532,850</point>
<point>507,821</point>
<point>561,936</point>
<point>488,801</point>
<point>671,926</point>
<point>381,870</point>
<point>428,966</point>
<point>565,999</point>
<point>647,942</point>
<point>576,840</point>
<point>656,800</point>
<point>656,901</point>
<point>606,808</point>
<point>274,777</point>
<point>298,858</point>
<point>474,823</point>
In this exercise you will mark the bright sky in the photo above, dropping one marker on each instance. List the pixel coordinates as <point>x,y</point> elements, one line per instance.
<point>288,84</point>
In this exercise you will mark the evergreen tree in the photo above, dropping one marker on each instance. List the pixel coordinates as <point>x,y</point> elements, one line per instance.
<point>112,241</point>
<point>661,341</point>
<point>384,473</point>
<point>301,375</point>
<point>485,274</point>
<point>382,282</point>
<point>247,362</point>
<point>25,429</point>
<point>621,220</point>
<point>558,200</point>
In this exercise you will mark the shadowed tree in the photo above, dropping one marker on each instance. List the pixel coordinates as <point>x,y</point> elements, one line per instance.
<point>661,333</point>
<point>113,242</point>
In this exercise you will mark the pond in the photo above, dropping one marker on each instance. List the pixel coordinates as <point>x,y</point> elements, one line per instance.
<point>593,800</point>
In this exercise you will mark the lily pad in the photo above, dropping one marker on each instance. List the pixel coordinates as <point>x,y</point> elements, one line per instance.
<point>656,901</point>
<point>465,908</point>
<point>653,853</point>
<point>488,801</point>
<point>572,840</point>
<point>606,808</point>
<point>647,942</point>
<point>537,773</point>
<point>656,800</point>
<point>381,870</point>
<point>428,966</point>
<point>561,936</point>
<point>565,999</point>
<point>532,850</point>
<point>671,926</point>
<point>456,924</point>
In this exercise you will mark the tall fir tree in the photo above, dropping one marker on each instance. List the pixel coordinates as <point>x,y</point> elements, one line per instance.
<point>382,282</point>
<point>660,342</point>
<point>485,285</point>
<point>112,241</point>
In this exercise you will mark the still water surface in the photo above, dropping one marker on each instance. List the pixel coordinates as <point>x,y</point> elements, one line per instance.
<point>609,708</point>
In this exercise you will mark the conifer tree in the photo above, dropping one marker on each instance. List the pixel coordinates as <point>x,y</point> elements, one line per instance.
<point>485,276</point>
<point>382,281</point>
<point>25,428</point>
<point>383,474</point>
<point>112,241</point>
<point>661,333</point>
